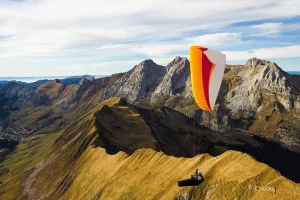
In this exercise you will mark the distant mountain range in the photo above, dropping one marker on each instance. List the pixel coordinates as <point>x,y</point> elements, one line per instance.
<point>294,72</point>
<point>35,81</point>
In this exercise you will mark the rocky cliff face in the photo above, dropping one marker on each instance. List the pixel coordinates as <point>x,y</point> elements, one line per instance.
<point>137,84</point>
<point>259,79</point>
<point>175,82</point>
<point>265,101</point>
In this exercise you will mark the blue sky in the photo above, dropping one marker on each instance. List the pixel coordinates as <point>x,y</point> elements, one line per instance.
<point>73,37</point>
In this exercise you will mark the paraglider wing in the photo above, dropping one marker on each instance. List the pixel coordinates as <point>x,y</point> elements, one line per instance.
<point>207,70</point>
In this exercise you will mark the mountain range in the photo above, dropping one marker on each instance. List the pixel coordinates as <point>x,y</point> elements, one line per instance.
<point>36,81</point>
<point>104,127</point>
<point>258,97</point>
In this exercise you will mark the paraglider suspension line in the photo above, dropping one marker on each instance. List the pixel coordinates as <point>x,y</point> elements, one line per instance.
<point>194,151</point>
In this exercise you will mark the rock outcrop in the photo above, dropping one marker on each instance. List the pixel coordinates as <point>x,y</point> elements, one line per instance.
<point>260,79</point>
<point>175,81</point>
<point>86,79</point>
<point>137,84</point>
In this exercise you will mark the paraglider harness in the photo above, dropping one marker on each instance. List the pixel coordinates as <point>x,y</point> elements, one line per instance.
<point>196,179</point>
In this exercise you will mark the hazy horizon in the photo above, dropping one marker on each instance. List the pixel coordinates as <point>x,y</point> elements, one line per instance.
<point>37,78</point>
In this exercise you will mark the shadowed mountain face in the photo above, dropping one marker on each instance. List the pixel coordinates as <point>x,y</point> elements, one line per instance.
<point>125,127</point>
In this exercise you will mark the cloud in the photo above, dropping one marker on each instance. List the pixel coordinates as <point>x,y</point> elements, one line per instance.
<point>101,68</point>
<point>267,29</point>
<point>209,40</point>
<point>164,49</point>
<point>37,43</point>
<point>115,21</point>
<point>100,29</point>
<point>264,53</point>
<point>216,39</point>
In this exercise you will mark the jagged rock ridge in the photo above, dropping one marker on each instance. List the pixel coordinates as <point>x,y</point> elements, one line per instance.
<point>137,84</point>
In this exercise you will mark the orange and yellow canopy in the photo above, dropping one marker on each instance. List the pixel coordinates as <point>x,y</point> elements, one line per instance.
<point>207,70</point>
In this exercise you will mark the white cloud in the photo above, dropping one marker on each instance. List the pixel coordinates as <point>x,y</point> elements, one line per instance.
<point>264,53</point>
<point>164,49</point>
<point>159,50</point>
<point>216,39</point>
<point>209,40</point>
<point>37,43</point>
<point>113,46</point>
<point>163,60</point>
<point>101,68</point>
<point>267,29</point>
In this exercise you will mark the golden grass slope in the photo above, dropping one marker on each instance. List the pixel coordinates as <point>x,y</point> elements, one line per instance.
<point>68,166</point>
<point>152,175</point>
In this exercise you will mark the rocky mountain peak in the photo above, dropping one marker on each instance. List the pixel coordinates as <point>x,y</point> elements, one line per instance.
<point>148,62</point>
<point>253,62</point>
<point>137,83</point>
<point>256,63</point>
<point>86,79</point>
<point>146,65</point>
<point>176,79</point>
<point>178,60</point>
<point>267,74</point>
<point>262,83</point>
<point>55,81</point>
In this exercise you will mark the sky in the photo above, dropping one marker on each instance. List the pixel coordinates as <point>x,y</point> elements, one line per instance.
<point>102,37</point>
